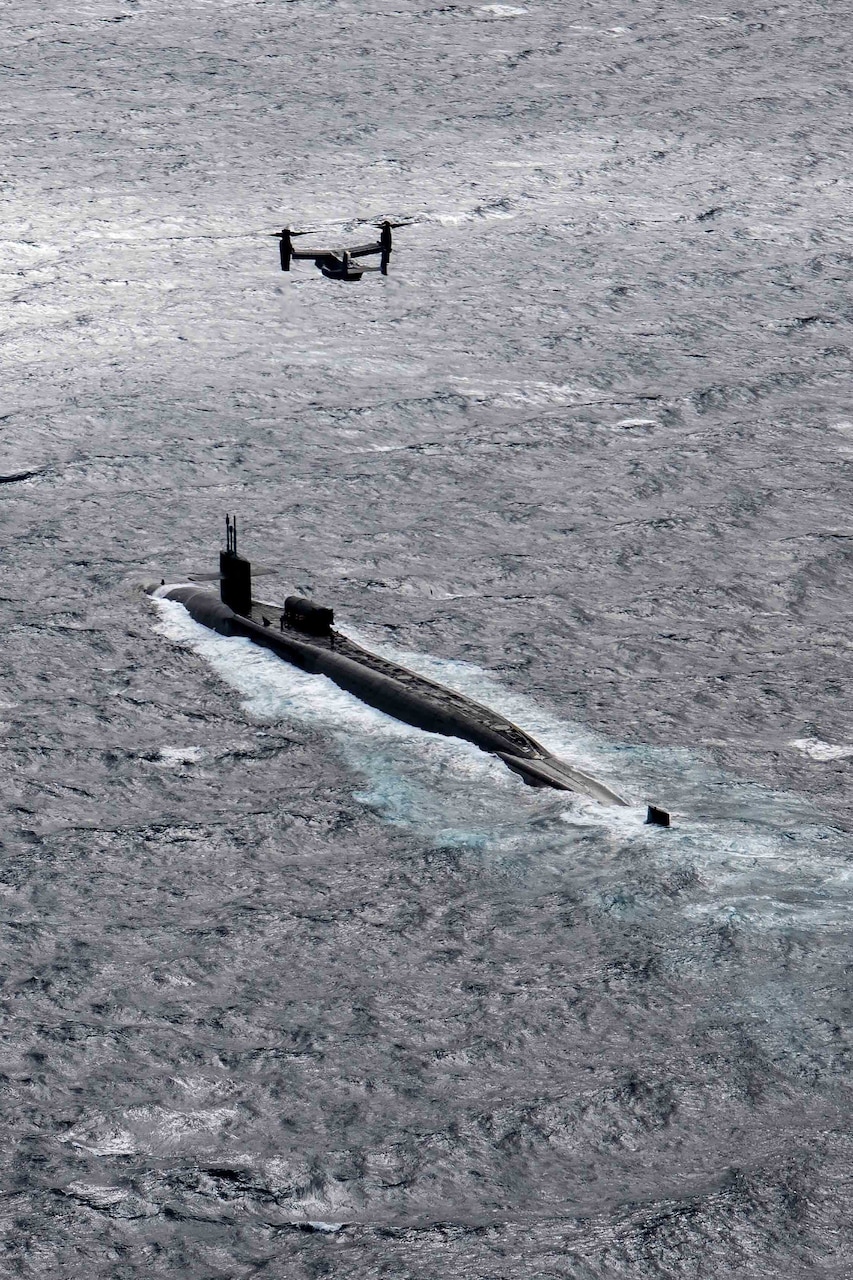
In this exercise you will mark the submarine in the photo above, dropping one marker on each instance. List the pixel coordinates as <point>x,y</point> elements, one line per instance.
<point>303,634</point>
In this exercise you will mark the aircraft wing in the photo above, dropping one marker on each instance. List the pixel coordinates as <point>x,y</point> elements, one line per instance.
<point>361,250</point>
<point>316,253</point>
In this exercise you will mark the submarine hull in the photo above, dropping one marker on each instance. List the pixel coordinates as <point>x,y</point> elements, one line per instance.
<point>398,692</point>
<point>376,688</point>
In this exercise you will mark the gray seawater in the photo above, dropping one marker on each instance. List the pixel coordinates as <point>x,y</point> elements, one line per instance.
<point>290,989</point>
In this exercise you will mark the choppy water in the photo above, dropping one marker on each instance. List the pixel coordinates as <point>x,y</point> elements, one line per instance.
<point>290,989</point>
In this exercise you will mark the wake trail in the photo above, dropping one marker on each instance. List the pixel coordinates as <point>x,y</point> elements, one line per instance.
<point>759,857</point>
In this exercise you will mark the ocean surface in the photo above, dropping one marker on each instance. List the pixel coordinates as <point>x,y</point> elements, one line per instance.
<point>293,990</point>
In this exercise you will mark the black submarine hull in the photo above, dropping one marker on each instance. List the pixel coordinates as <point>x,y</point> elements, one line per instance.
<point>373,687</point>
<point>402,694</point>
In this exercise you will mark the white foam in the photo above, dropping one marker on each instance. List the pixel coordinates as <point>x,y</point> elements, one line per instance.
<point>177,756</point>
<point>98,1196</point>
<point>171,1127</point>
<point>161,592</point>
<point>503,10</point>
<point>823,751</point>
<point>508,393</point>
<point>474,215</point>
<point>102,1140</point>
<point>628,423</point>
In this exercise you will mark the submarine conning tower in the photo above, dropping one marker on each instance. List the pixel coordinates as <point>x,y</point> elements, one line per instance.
<point>235,573</point>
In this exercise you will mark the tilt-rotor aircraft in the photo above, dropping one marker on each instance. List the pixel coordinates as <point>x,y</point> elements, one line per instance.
<point>340,264</point>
